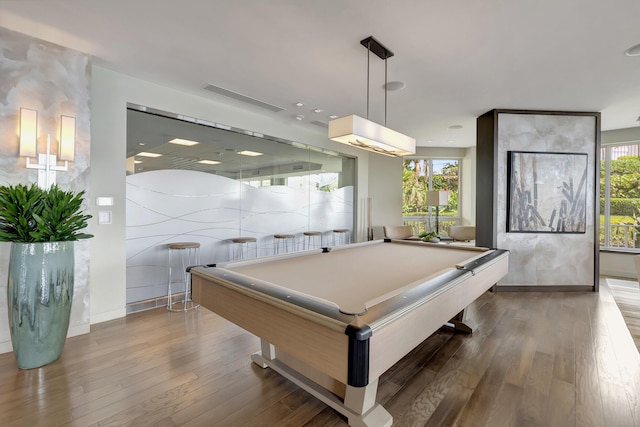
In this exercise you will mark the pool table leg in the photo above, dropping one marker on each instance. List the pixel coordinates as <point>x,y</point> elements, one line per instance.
<point>267,352</point>
<point>359,404</point>
<point>462,323</point>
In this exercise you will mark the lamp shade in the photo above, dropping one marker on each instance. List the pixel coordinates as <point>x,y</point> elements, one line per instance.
<point>362,133</point>
<point>66,146</point>
<point>28,132</point>
<point>437,198</point>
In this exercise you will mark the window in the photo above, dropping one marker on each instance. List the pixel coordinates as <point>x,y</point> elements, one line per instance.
<point>620,196</point>
<point>422,175</point>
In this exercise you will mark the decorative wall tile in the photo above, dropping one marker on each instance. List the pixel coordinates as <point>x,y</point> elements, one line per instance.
<point>52,80</point>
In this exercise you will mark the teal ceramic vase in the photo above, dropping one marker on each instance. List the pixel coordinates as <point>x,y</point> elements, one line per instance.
<point>39,296</point>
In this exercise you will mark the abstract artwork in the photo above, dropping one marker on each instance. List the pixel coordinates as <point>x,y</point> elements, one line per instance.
<point>547,192</point>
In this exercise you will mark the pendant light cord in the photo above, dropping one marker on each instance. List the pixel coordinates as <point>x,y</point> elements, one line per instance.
<point>368,55</point>
<point>385,81</point>
<point>385,89</point>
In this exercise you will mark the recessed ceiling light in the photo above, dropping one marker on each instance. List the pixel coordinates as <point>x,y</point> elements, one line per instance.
<point>147,154</point>
<point>250,153</point>
<point>179,141</point>
<point>333,116</point>
<point>141,144</point>
<point>318,110</point>
<point>393,86</point>
<point>633,51</point>
<point>209,162</point>
<point>455,127</point>
<point>299,117</point>
<point>299,104</point>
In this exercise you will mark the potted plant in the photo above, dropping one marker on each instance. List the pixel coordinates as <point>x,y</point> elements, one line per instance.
<point>429,237</point>
<point>42,225</point>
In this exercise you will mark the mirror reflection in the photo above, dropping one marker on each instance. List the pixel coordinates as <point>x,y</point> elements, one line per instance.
<point>232,193</point>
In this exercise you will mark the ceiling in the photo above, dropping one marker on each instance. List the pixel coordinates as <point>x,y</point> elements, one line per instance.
<point>458,58</point>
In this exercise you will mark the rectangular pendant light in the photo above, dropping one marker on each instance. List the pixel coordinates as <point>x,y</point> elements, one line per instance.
<point>362,133</point>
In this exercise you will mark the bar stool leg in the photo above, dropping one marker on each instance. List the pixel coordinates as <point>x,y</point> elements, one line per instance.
<point>189,253</point>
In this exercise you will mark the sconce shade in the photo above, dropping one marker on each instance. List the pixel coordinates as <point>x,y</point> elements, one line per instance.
<point>362,133</point>
<point>437,198</point>
<point>66,146</point>
<point>28,132</point>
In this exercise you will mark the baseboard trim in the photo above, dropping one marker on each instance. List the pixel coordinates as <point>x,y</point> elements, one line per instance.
<point>6,347</point>
<point>78,330</point>
<point>110,315</point>
<point>153,303</point>
<point>553,288</point>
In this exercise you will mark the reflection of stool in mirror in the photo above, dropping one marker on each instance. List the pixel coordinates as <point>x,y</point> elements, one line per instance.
<point>241,247</point>
<point>283,241</point>
<point>189,255</point>
<point>341,237</point>
<point>312,239</point>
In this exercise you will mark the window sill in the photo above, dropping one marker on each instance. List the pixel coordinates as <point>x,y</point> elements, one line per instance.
<point>628,251</point>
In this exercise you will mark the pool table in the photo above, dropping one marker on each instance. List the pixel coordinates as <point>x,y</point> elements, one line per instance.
<point>333,320</point>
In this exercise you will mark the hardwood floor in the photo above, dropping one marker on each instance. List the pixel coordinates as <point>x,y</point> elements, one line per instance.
<point>627,296</point>
<point>535,359</point>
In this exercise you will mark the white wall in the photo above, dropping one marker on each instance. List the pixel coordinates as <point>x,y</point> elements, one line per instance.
<point>111,92</point>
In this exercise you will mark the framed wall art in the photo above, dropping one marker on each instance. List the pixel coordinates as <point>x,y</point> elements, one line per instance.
<point>547,192</point>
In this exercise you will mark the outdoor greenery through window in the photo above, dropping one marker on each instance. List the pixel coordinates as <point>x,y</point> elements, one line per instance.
<point>420,176</point>
<point>620,196</point>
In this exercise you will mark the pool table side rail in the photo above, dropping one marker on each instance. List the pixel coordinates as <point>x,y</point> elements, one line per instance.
<point>393,338</point>
<point>316,340</point>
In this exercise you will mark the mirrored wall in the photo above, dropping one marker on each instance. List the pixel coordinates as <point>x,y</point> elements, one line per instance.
<point>194,181</point>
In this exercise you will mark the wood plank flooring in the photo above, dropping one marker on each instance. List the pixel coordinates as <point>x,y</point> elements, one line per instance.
<point>627,296</point>
<point>536,359</point>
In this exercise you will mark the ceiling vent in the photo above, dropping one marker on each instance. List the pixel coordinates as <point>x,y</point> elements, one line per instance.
<point>239,97</point>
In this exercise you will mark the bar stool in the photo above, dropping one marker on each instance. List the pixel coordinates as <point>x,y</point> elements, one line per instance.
<point>189,255</point>
<point>341,236</point>
<point>241,245</point>
<point>282,240</point>
<point>311,238</point>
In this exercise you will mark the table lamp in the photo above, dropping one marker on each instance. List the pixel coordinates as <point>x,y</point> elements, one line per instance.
<point>437,198</point>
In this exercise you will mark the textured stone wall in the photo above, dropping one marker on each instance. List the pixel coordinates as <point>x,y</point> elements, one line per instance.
<point>543,259</point>
<point>54,81</point>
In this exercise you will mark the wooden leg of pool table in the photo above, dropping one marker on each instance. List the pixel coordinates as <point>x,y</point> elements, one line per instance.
<point>359,405</point>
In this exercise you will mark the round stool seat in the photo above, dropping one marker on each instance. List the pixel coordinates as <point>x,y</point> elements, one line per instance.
<point>244,240</point>
<point>284,236</point>
<point>184,245</point>
<point>312,233</point>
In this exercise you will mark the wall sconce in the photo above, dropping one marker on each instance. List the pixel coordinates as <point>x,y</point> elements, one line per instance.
<point>47,165</point>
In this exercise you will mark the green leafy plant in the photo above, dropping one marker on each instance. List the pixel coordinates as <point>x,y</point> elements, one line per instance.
<point>427,236</point>
<point>31,214</point>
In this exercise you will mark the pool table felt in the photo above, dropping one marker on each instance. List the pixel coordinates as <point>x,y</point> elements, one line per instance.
<point>356,278</point>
